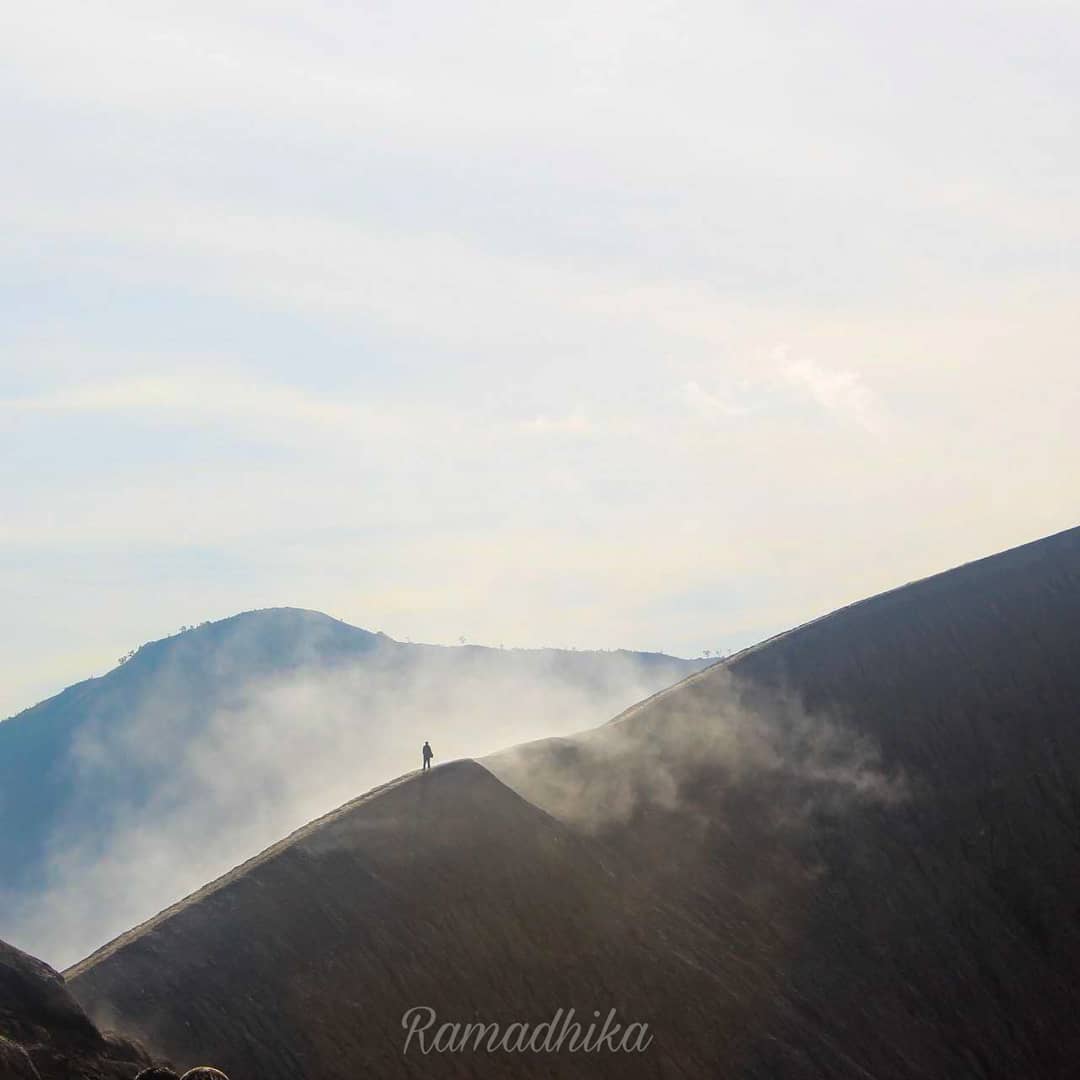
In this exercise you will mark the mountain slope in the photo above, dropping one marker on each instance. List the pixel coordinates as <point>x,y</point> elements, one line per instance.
<point>320,987</point>
<point>125,792</point>
<point>191,672</point>
<point>850,852</point>
<point>918,755</point>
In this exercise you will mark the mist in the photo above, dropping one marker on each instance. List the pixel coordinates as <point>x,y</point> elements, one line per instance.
<point>717,733</point>
<point>191,789</point>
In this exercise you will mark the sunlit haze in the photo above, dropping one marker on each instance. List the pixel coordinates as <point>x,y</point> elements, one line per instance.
<point>646,325</point>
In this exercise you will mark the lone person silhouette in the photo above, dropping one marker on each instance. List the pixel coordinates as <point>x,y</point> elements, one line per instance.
<point>428,755</point>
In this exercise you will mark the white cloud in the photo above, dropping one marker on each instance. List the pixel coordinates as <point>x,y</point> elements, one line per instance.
<point>208,395</point>
<point>710,405</point>
<point>840,392</point>
<point>574,423</point>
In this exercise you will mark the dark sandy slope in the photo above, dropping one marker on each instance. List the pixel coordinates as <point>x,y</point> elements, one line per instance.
<point>890,796</point>
<point>446,890</point>
<point>853,851</point>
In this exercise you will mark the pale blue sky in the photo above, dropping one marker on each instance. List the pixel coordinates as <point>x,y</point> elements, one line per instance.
<point>657,325</point>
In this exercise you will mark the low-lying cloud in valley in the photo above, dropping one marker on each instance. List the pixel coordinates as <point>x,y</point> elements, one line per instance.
<point>198,765</point>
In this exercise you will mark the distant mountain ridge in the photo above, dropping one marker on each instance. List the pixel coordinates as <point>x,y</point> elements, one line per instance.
<point>193,751</point>
<point>293,637</point>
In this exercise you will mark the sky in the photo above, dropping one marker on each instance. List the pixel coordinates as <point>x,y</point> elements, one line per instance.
<point>640,324</point>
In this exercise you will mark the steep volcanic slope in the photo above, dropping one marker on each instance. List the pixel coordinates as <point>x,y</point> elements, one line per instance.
<point>895,787</point>
<point>124,793</point>
<point>445,890</point>
<point>45,1035</point>
<point>850,852</point>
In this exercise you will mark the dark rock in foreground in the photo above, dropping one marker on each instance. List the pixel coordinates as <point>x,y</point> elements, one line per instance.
<point>44,1033</point>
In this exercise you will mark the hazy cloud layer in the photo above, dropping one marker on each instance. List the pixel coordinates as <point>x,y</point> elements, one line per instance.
<point>170,796</point>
